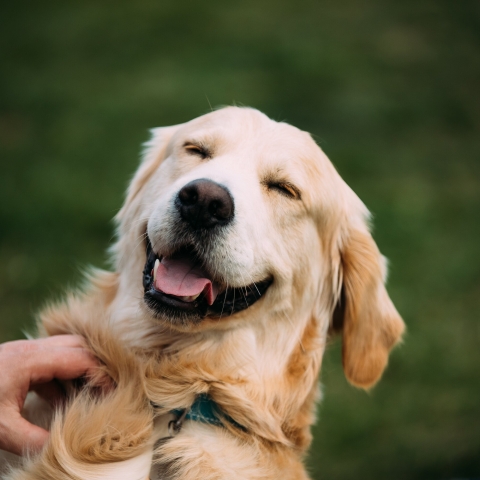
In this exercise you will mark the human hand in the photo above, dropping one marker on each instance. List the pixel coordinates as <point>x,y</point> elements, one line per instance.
<point>34,365</point>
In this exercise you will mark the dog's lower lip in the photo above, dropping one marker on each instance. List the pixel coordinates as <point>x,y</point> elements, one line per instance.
<point>228,301</point>
<point>171,300</point>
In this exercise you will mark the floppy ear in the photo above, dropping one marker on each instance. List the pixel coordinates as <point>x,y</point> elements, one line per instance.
<point>371,324</point>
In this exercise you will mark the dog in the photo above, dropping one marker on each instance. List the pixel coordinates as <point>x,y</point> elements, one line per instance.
<point>239,251</point>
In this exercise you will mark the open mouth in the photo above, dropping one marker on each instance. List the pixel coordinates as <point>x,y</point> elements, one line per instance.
<point>180,289</point>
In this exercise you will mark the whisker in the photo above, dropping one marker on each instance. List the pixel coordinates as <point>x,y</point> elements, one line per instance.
<point>224,299</point>
<point>233,303</point>
<point>258,291</point>
<point>242,288</point>
<point>141,238</point>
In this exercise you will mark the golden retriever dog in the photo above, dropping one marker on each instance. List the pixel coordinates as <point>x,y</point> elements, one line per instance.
<point>239,251</point>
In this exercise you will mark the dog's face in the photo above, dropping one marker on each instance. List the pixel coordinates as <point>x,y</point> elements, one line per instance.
<point>232,215</point>
<point>245,218</point>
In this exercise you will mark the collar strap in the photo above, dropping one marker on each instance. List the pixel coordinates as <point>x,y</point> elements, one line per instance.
<point>205,410</point>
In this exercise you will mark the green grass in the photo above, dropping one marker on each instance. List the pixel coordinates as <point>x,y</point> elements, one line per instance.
<point>390,91</point>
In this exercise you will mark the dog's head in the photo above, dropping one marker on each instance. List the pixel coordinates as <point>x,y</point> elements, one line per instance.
<point>245,219</point>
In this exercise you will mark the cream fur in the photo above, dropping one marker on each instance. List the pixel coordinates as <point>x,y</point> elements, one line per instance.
<point>259,365</point>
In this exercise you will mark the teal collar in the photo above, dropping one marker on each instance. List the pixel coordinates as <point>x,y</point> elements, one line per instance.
<point>205,410</point>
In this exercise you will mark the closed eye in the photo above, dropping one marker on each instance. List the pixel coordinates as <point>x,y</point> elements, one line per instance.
<point>198,149</point>
<point>285,188</point>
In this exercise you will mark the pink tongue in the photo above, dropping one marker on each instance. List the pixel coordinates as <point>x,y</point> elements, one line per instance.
<point>182,278</point>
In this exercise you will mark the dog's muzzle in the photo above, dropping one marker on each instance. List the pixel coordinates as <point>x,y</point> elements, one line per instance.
<point>178,289</point>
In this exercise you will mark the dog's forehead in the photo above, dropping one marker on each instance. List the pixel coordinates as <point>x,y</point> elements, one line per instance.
<point>250,133</point>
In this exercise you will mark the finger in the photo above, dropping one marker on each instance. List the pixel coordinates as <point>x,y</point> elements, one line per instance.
<point>22,347</point>
<point>21,437</point>
<point>61,363</point>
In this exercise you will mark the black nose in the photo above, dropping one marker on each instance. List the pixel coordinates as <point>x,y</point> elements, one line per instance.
<point>205,204</point>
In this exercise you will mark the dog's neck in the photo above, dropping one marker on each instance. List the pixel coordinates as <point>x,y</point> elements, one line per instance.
<point>248,365</point>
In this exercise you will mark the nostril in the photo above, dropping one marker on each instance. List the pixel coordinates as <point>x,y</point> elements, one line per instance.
<point>188,195</point>
<point>221,210</point>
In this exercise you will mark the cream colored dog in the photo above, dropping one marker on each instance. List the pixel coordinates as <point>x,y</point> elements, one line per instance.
<point>253,250</point>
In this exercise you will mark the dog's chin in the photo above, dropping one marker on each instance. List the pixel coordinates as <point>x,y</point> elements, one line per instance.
<point>183,311</point>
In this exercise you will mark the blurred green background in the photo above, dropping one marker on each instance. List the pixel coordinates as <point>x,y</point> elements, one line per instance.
<point>391,91</point>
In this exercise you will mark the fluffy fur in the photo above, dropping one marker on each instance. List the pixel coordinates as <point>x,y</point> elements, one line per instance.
<point>259,365</point>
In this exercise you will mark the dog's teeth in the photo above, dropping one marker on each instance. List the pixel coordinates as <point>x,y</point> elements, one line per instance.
<point>155,267</point>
